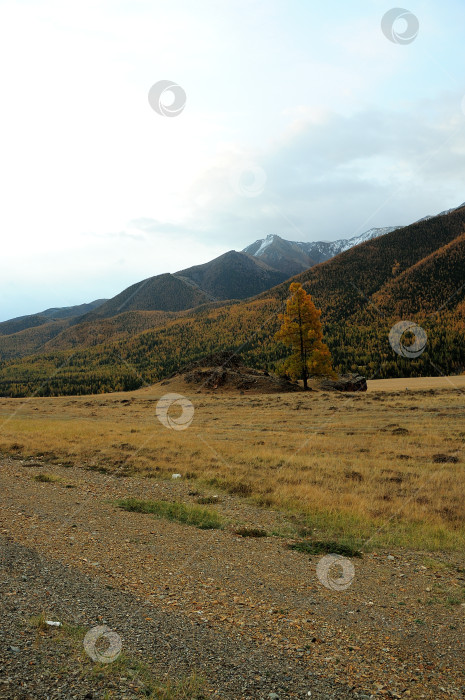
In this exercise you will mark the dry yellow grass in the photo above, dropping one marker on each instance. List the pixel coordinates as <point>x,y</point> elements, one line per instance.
<point>417,384</point>
<point>362,467</point>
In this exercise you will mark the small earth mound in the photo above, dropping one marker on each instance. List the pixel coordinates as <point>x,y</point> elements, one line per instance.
<point>240,378</point>
<point>224,371</point>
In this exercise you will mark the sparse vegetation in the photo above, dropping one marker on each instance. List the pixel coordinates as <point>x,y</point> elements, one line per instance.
<point>208,500</point>
<point>319,547</point>
<point>46,478</point>
<point>180,512</point>
<point>144,681</point>
<point>146,684</point>
<point>38,622</point>
<point>251,532</point>
<point>352,490</point>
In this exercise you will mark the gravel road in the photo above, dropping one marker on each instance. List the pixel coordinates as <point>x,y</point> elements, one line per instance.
<point>169,641</point>
<point>248,614</point>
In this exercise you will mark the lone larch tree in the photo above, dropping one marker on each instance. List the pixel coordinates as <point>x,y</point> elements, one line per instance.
<point>301,329</point>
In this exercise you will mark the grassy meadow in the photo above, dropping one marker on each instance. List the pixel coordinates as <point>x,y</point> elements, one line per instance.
<point>383,468</point>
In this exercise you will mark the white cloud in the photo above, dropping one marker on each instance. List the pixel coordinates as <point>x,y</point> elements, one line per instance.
<point>98,190</point>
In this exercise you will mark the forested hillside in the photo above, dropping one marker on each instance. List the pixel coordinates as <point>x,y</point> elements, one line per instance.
<point>414,273</point>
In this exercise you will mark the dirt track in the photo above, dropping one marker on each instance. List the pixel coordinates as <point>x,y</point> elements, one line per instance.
<point>248,613</point>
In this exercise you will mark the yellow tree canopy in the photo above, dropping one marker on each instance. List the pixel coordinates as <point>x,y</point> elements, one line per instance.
<point>302,330</point>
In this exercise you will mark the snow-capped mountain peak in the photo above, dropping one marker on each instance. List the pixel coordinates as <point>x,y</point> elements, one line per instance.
<point>265,244</point>
<point>293,257</point>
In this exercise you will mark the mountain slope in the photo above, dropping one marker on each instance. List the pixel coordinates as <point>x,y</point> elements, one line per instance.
<point>101,330</point>
<point>344,285</point>
<point>232,276</point>
<point>428,285</point>
<point>446,211</point>
<point>160,293</point>
<point>15,325</point>
<point>30,340</point>
<point>422,261</point>
<point>293,257</point>
<point>286,256</point>
<point>72,311</point>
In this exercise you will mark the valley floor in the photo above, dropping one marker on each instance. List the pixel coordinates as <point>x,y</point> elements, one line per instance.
<point>250,615</point>
<point>417,384</point>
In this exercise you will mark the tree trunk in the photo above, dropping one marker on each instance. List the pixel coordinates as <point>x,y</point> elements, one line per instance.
<point>303,354</point>
<point>304,377</point>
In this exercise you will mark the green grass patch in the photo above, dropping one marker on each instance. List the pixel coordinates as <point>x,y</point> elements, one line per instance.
<point>435,564</point>
<point>38,622</point>
<point>286,531</point>
<point>453,600</point>
<point>146,684</point>
<point>46,478</point>
<point>250,532</point>
<point>202,518</point>
<point>234,488</point>
<point>98,468</point>
<point>319,547</point>
<point>206,500</point>
<point>366,533</point>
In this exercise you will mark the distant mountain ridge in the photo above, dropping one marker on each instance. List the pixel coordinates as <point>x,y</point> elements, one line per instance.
<point>441,213</point>
<point>415,273</point>
<point>21,323</point>
<point>292,257</point>
<point>233,275</point>
<point>230,277</point>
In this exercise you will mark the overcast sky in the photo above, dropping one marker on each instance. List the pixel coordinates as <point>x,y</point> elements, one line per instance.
<point>301,118</point>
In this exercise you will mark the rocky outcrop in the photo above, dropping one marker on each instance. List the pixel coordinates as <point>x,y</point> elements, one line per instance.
<point>349,382</point>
